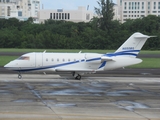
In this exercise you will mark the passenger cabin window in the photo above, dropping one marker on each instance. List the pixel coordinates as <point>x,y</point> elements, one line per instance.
<point>57,59</point>
<point>46,59</point>
<point>52,59</point>
<point>24,58</point>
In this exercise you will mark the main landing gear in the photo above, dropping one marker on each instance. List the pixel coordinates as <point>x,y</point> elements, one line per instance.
<point>76,76</point>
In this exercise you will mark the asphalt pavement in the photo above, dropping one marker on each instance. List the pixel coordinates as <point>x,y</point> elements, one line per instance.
<point>50,97</point>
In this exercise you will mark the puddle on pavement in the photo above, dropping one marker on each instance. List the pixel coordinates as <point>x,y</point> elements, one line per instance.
<point>57,85</point>
<point>63,92</point>
<point>130,105</point>
<point>84,91</point>
<point>65,105</point>
<point>97,84</point>
<point>122,92</point>
<point>5,92</point>
<point>24,100</point>
<point>10,86</point>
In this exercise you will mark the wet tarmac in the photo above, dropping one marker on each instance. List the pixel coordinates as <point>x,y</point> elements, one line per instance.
<point>50,97</point>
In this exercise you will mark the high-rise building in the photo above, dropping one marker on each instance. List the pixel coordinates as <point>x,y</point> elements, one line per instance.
<point>133,9</point>
<point>5,8</point>
<point>34,7</point>
<point>21,9</point>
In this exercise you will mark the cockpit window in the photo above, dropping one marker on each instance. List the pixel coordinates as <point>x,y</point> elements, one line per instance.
<point>24,58</point>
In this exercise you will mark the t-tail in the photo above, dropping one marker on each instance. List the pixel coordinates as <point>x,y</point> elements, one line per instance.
<point>133,45</point>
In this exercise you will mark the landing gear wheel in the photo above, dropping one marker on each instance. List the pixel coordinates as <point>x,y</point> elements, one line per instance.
<point>20,76</point>
<point>78,77</point>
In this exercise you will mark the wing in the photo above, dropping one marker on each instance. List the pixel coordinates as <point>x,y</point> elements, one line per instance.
<point>74,70</point>
<point>103,59</point>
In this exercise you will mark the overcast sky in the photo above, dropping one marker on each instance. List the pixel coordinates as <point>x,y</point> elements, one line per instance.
<point>69,4</point>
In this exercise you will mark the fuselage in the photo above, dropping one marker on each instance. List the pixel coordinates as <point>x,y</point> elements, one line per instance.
<point>38,61</point>
<point>51,61</point>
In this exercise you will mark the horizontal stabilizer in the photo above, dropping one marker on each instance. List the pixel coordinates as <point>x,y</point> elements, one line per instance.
<point>143,36</point>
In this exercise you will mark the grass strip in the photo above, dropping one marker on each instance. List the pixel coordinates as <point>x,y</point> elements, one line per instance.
<point>6,59</point>
<point>147,63</point>
<point>56,50</point>
<point>70,50</point>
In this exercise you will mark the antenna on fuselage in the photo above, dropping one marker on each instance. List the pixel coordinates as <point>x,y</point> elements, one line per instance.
<point>44,51</point>
<point>80,51</point>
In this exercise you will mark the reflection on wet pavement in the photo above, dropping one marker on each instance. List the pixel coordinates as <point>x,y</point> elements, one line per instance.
<point>130,105</point>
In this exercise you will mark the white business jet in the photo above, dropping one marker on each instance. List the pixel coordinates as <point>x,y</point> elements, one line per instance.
<point>81,63</point>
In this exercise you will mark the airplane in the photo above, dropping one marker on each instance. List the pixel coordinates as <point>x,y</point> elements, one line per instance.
<point>80,63</point>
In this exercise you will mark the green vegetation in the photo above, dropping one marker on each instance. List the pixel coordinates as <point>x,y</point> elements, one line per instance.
<point>68,35</point>
<point>106,10</point>
<point>100,33</point>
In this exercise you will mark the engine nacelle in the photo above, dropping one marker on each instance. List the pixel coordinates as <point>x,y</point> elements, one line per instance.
<point>119,62</point>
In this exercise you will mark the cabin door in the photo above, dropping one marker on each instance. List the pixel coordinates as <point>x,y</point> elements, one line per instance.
<point>39,58</point>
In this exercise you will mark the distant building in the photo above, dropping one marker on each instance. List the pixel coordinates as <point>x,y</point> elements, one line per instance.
<point>20,9</point>
<point>116,12</point>
<point>123,10</point>
<point>133,9</point>
<point>79,15</point>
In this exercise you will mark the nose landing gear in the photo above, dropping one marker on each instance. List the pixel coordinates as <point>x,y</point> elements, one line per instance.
<point>19,76</point>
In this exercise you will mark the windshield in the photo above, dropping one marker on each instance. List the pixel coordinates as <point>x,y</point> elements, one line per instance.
<point>24,58</point>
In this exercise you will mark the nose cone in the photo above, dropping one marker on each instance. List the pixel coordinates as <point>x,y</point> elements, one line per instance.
<point>7,65</point>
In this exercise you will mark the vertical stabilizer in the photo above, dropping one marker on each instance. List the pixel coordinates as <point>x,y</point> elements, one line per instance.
<point>132,46</point>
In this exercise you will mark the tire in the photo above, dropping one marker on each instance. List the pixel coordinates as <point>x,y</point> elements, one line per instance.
<point>20,76</point>
<point>78,77</point>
